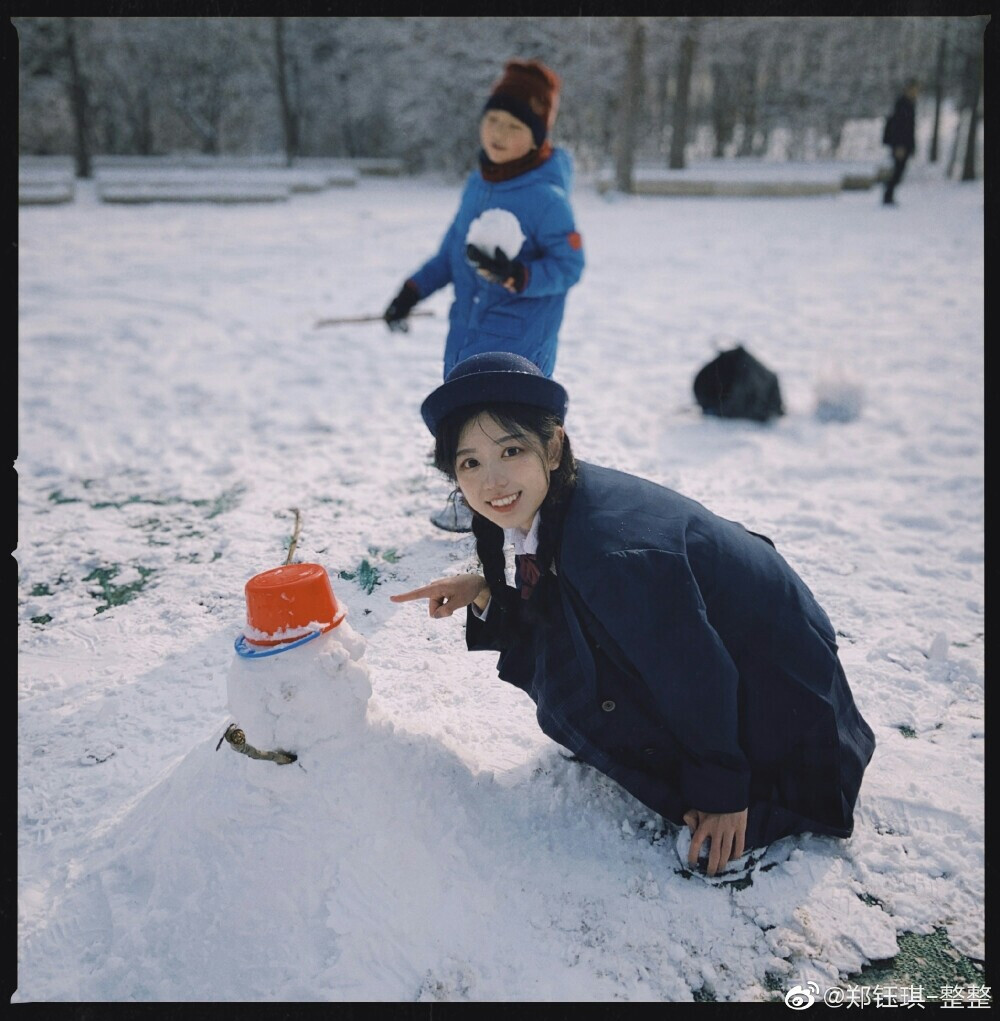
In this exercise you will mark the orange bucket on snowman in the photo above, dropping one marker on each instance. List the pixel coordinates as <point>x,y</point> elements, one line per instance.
<point>287,607</point>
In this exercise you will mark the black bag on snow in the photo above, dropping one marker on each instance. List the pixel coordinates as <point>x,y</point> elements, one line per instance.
<point>735,385</point>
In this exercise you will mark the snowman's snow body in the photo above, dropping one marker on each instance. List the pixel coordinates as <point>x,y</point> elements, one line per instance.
<point>303,696</point>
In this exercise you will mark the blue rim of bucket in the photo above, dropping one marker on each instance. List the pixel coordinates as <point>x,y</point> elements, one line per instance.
<point>243,648</point>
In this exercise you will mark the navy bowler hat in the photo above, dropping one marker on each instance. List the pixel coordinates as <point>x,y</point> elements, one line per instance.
<point>494,377</point>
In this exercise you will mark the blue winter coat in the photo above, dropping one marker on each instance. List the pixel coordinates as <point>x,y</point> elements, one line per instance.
<point>485,316</point>
<point>680,654</point>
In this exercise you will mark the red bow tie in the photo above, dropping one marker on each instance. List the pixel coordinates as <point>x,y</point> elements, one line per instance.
<point>526,572</point>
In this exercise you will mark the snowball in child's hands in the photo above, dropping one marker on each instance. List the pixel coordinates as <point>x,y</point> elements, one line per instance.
<point>496,228</point>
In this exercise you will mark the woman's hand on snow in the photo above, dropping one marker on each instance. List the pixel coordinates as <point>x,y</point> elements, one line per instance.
<point>725,832</point>
<point>446,595</point>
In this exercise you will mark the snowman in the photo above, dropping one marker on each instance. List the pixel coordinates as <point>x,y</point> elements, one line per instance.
<point>299,679</point>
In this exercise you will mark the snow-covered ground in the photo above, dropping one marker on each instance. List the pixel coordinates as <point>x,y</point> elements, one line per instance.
<point>176,403</point>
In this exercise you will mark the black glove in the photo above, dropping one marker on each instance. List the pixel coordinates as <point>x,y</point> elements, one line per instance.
<point>399,308</point>
<point>499,269</point>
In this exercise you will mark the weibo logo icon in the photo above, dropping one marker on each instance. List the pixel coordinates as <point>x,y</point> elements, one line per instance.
<point>798,998</point>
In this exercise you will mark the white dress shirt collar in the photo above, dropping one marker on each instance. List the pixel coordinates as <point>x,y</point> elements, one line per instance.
<point>523,542</point>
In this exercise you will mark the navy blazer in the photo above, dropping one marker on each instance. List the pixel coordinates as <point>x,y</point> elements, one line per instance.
<point>681,655</point>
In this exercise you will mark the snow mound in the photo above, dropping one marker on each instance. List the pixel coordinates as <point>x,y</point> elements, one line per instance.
<point>496,228</point>
<point>839,397</point>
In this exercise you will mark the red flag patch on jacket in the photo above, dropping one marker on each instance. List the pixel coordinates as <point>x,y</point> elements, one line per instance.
<point>575,241</point>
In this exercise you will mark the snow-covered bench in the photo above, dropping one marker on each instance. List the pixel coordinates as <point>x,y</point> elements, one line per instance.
<point>45,180</point>
<point>230,182</point>
<point>214,188</point>
<point>44,192</point>
<point>746,178</point>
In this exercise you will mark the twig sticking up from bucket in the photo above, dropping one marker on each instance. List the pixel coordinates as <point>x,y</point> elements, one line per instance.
<point>295,535</point>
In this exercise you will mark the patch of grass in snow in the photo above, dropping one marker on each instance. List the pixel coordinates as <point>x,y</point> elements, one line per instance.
<point>213,507</point>
<point>776,986</point>
<point>703,996</point>
<point>195,558</point>
<point>158,525</point>
<point>56,496</point>
<point>118,504</point>
<point>906,730</point>
<point>367,574</point>
<point>364,574</point>
<point>929,962</point>
<point>117,595</point>
<point>176,525</point>
<point>226,501</point>
<point>42,589</point>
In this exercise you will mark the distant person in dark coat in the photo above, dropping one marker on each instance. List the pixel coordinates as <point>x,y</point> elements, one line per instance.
<point>671,649</point>
<point>900,136</point>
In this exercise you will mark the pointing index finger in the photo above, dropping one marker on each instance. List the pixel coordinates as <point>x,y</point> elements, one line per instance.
<point>424,592</point>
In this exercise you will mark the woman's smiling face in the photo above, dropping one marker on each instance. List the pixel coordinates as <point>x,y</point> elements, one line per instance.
<point>504,475</point>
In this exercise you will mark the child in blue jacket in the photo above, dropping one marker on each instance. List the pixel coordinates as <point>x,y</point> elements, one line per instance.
<point>671,649</point>
<point>507,301</point>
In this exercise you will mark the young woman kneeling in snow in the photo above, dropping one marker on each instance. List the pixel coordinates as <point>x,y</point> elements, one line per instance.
<point>671,649</point>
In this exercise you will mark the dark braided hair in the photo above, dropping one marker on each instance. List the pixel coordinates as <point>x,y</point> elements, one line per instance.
<point>537,427</point>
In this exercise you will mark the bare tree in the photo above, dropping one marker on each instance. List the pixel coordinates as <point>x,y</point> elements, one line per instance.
<point>956,141</point>
<point>290,116</point>
<point>44,122</point>
<point>747,88</point>
<point>682,94</point>
<point>206,57</point>
<point>631,103</point>
<point>128,85</point>
<point>939,69</point>
<point>968,48</point>
<point>78,100</point>
<point>412,86</point>
<point>724,112</point>
<point>976,89</point>
<point>365,93</point>
<point>659,94</point>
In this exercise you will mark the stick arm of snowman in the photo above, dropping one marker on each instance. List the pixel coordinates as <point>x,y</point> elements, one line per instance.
<point>238,742</point>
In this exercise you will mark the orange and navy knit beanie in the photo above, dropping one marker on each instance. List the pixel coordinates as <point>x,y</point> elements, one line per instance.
<point>529,91</point>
